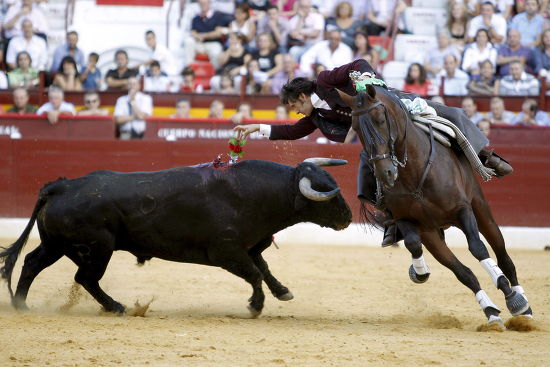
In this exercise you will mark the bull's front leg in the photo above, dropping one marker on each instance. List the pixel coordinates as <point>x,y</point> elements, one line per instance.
<point>232,257</point>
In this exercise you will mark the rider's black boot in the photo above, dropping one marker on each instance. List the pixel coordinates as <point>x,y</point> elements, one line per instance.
<point>492,160</point>
<point>390,235</point>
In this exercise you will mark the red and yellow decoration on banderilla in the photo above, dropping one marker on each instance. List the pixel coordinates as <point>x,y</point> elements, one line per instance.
<point>236,148</point>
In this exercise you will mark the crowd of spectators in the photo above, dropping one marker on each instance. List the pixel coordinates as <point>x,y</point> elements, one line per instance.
<point>490,48</point>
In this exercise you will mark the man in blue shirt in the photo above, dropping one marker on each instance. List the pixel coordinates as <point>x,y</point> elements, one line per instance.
<point>207,30</point>
<point>530,23</point>
<point>69,49</point>
<point>514,51</point>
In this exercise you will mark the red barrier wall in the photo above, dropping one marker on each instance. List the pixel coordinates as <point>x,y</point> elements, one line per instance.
<point>27,164</point>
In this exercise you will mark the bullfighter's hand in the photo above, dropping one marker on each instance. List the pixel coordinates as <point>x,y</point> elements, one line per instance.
<point>244,130</point>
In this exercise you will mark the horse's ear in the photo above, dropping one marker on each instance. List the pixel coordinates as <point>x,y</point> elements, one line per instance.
<point>371,91</point>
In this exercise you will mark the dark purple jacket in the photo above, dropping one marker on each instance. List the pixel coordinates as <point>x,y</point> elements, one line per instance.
<point>334,124</point>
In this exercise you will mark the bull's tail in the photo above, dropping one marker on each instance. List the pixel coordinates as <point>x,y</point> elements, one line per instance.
<point>9,255</point>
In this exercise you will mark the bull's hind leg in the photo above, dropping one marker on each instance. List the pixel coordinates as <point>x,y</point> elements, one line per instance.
<point>515,302</point>
<point>36,261</point>
<point>233,257</point>
<point>491,232</point>
<point>276,288</point>
<point>419,272</point>
<point>92,262</point>
<point>438,248</point>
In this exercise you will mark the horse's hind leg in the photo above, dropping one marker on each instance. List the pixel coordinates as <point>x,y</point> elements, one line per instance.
<point>419,272</point>
<point>36,261</point>
<point>438,248</point>
<point>491,232</point>
<point>516,303</point>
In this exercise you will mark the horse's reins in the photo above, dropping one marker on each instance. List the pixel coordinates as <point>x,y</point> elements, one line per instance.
<point>391,155</point>
<point>391,143</point>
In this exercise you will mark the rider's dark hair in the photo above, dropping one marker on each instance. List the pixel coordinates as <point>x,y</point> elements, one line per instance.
<point>292,89</point>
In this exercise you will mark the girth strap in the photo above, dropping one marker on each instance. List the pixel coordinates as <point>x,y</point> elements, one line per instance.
<point>418,193</point>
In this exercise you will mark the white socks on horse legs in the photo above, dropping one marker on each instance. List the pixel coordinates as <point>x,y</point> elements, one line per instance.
<point>492,268</point>
<point>420,266</point>
<point>484,301</point>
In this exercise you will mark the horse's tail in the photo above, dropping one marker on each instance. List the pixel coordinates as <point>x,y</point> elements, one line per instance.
<point>10,254</point>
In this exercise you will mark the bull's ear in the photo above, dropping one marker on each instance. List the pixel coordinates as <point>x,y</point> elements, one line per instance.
<point>371,91</point>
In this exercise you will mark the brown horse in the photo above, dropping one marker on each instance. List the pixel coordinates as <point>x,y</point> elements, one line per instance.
<point>426,198</point>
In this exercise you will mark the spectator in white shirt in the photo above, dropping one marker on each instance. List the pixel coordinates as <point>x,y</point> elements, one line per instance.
<point>156,81</point>
<point>306,29</point>
<point>380,13</point>
<point>159,53</point>
<point>20,11</point>
<point>34,45</point>
<point>455,79</point>
<point>494,23</point>
<point>131,111</point>
<point>519,83</point>
<point>433,62</point>
<point>478,51</point>
<point>56,106</point>
<point>498,114</point>
<point>330,53</point>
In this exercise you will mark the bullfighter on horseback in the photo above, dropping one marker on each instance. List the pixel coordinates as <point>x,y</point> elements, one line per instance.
<point>324,109</point>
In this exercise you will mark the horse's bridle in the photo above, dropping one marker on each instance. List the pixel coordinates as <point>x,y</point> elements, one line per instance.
<point>391,141</point>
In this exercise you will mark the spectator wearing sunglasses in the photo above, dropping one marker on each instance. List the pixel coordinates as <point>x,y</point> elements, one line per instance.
<point>91,106</point>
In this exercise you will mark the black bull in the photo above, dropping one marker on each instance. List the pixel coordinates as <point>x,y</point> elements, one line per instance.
<point>221,217</point>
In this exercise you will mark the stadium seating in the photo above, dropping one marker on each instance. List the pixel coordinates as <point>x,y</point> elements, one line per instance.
<point>424,21</point>
<point>395,72</point>
<point>412,48</point>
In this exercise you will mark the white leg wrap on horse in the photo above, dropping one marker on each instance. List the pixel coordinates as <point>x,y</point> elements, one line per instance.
<point>484,301</point>
<point>494,318</point>
<point>420,266</point>
<point>492,268</point>
<point>519,289</point>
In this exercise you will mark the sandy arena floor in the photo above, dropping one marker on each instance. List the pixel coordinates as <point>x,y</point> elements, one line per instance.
<point>353,306</point>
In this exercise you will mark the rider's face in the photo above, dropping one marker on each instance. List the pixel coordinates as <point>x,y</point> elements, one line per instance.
<point>302,105</point>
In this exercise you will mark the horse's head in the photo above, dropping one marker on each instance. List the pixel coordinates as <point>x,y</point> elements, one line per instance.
<point>377,131</point>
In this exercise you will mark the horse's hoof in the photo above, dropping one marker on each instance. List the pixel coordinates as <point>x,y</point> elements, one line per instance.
<point>528,313</point>
<point>254,312</point>
<point>516,303</point>
<point>417,278</point>
<point>285,297</point>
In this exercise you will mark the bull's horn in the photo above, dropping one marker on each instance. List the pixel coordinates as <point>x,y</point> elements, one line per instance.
<point>308,192</point>
<point>326,161</point>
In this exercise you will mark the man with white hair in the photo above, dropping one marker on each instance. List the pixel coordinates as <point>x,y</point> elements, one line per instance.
<point>131,111</point>
<point>56,106</point>
<point>34,45</point>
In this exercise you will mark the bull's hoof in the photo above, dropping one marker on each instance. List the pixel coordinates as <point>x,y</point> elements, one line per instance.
<point>417,278</point>
<point>516,303</point>
<point>285,297</point>
<point>254,313</point>
<point>19,304</point>
<point>116,308</point>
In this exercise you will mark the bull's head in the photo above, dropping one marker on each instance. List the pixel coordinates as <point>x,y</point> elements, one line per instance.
<point>321,201</point>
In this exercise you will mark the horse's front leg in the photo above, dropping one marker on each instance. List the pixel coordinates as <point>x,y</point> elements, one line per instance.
<point>419,272</point>
<point>515,302</point>
<point>438,248</point>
